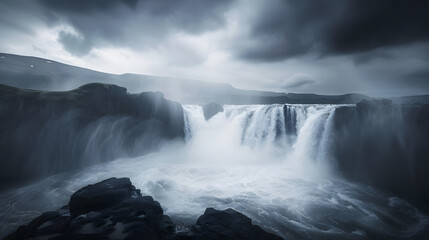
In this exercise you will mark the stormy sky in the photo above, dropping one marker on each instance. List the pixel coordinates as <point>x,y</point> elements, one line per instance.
<point>379,48</point>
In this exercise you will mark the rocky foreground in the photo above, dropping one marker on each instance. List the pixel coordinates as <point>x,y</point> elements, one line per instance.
<point>115,209</point>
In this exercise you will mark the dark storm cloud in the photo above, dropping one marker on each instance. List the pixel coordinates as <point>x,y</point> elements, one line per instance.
<point>74,44</point>
<point>368,25</point>
<point>287,28</point>
<point>419,78</point>
<point>134,23</point>
<point>85,6</point>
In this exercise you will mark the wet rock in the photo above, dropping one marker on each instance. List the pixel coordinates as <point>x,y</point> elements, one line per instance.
<point>227,224</point>
<point>104,194</point>
<point>44,133</point>
<point>384,144</point>
<point>110,209</point>
<point>290,120</point>
<point>115,209</point>
<point>211,109</point>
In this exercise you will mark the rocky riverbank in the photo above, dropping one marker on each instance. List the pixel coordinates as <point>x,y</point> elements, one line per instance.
<point>115,209</point>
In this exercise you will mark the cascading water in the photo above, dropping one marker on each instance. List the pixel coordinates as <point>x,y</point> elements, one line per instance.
<point>270,162</point>
<point>295,133</point>
<point>257,126</point>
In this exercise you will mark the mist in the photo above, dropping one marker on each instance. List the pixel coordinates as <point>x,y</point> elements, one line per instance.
<point>245,158</point>
<point>228,119</point>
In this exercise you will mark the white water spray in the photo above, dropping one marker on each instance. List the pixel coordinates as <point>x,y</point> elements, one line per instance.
<point>262,160</point>
<point>293,134</point>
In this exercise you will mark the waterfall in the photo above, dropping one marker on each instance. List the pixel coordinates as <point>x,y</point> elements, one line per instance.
<point>301,132</point>
<point>256,126</point>
<point>270,162</point>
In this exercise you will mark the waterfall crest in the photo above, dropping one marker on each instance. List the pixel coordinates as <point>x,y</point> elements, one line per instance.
<point>297,132</point>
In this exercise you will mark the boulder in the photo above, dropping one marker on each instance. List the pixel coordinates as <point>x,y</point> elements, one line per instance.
<point>227,225</point>
<point>115,209</point>
<point>211,109</point>
<point>104,194</point>
<point>111,209</point>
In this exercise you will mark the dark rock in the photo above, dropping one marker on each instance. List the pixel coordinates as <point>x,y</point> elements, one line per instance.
<point>290,119</point>
<point>211,109</point>
<point>385,145</point>
<point>111,209</point>
<point>104,194</point>
<point>115,209</point>
<point>228,225</point>
<point>43,133</point>
<point>308,98</point>
<point>374,105</point>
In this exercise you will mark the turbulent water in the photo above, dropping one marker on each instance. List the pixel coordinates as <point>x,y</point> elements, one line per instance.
<point>268,161</point>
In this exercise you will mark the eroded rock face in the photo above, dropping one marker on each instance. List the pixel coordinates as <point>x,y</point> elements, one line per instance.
<point>385,145</point>
<point>115,209</point>
<point>43,133</point>
<point>211,109</point>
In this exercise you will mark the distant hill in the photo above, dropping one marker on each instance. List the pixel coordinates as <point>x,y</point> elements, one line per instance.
<point>44,74</point>
<point>412,99</point>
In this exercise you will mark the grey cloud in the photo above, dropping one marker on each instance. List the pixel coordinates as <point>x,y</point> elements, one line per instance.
<point>85,7</point>
<point>300,83</point>
<point>298,80</point>
<point>18,16</point>
<point>418,79</point>
<point>11,24</point>
<point>418,51</point>
<point>284,29</point>
<point>74,44</point>
<point>367,57</point>
<point>346,45</point>
<point>368,25</point>
<point>135,24</point>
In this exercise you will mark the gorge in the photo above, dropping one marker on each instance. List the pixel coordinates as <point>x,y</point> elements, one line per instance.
<point>300,171</point>
<point>214,120</point>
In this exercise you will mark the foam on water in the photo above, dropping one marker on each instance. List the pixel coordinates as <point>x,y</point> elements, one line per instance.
<point>259,133</point>
<point>247,158</point>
